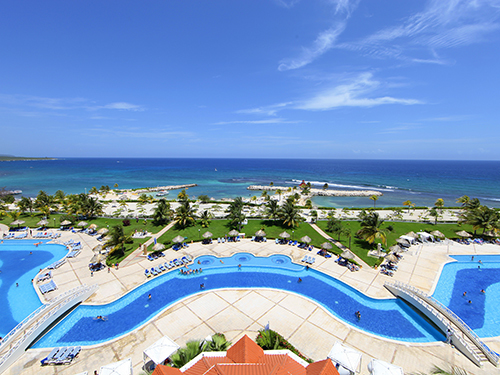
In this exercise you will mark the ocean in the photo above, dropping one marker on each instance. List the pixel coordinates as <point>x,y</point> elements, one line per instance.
<point>421,182</point>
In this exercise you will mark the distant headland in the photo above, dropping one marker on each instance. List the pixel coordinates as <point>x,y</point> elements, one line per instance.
<point>22,158</point>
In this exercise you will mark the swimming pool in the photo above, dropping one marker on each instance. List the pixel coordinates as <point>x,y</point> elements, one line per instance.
<point>470,276</point>
<point>390,318</point>
<point>17,265</point>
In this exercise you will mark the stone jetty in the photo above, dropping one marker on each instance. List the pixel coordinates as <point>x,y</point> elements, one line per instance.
<point>321,192</point>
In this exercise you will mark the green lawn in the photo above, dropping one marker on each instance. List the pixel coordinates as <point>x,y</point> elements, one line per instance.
<point>219,228</point>
<point>361,247</point>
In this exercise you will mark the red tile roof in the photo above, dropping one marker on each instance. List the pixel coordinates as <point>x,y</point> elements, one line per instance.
<point>245,357</point>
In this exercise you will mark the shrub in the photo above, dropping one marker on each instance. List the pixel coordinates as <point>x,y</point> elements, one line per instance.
<point>126,222</point>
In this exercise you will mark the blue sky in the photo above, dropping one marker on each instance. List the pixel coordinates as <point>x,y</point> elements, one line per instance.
<point>348,79</point>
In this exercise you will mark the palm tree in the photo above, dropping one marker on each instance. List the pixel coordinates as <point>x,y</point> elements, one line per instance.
<point>205,218</point>
<point>333,225</point>
<point>218,343</point>
<point>464,199</point>
<point>182,196</point>
<point>268,339</point>
<point>439,203</point>
<point>290,215</point>
<point>188,353</point>
<point>374,198</point>
<point>453,371</point>
<point>278,192</point>
<point>484,218</point>
<point>371,228</point>
<point>117,240</point>
<point>14,215</point>
<point>163,213</point>
<point>25,204</point>
<point>308,204</point>
<point>143,198</point>
<point>184,215</point>
<point>264,194</point>
<point>325,186</point>
<point>273,210</point>
<point>435,214</point>
<point>409,204</point>
<point>93,190</point>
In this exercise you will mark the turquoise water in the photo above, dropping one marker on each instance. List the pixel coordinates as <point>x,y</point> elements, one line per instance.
<point>390,318</point>
<point>19,266</point>
<point>470,276</point>
<point>422,182</point>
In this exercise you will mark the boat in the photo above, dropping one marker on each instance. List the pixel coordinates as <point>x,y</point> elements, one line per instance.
<point>161,193</point>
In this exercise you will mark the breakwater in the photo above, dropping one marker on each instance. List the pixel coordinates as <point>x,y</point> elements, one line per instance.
<point>161,188</point>
<point>320,192</point>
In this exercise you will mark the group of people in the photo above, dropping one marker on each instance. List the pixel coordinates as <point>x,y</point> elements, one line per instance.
<point>189,271</point>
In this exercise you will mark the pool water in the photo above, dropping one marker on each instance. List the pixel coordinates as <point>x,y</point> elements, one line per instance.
<point>17,265</point>
<point>390,318</point>
<point>467,275</point>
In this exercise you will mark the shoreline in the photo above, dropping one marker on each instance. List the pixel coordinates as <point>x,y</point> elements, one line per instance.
<point>320,192</point>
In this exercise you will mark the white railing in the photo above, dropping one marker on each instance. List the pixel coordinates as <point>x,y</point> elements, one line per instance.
<point>492,356</point>
<point>37,320</point>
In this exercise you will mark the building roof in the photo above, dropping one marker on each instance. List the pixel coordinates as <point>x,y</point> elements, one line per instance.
<point>245,357</point>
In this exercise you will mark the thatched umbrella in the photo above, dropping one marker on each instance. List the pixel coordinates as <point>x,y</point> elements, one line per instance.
<point>82,224</point>
<point>17,222</point>
<point>306,239</point>
<point>391,258</point>
<point>158,247</point>
<point>395,249</point>
<point>97,249</point>
<point>97,258</point>
<point>326,245</point>
<point>93,226</point>
<point>66,222</point>
<point>260,233</point>
<point>207,234</point>
<point>42,222</point>
<point>490,233</point>
<point>178,239</point>
<point>464,234</point>
<point>403,242</point>
<point>437,233</point>
<point>412,234</point>
<point>103,231</point>
<point>233,233</point>
<point>284,235</point>
<point>347,254</point>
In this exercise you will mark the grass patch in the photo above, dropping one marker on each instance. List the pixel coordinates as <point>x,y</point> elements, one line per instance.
<point>361,247</point>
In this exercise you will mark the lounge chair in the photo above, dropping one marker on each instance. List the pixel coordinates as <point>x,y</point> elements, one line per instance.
<point>304,259</point>
<point>153,271</point>
<point>157,269</point>
<point>45,276</point>
<point>172,264</point>
<point>147,273</point>
<point>57,264</point>
<point>49,287</point>
<point>162,267</point>
<point>50,357</point>
<point>189,258</point>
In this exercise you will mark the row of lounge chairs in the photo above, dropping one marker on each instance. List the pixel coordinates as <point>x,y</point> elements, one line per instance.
<point>44,276</point>
<point>228,239</point>
<point>13,236</point>
<point>49,287</point>
<point>179,246</point>
<point>75,249</point>
<point>46,235</point>
<point>154,256</point>
<point>61,356</point>
<point>167,266</point>
<point>345,262</point>
<point>57,264</point>
<point>309,260</point>
<point>259,239</point>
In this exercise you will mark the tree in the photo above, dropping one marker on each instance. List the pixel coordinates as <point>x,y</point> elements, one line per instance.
<point>408,204</point>
<point>59,196</point>
<point>218,343</point>
<point>278,192</point>
<point>184,215</point>
<point>271,183</point>
<point>290,215</point>
<point>162,214</point>
<point>25,204</point>
<point>205,218</point>
<point>117,240</point>
<point>439,203</point>
<point>484,218</point>
<point>188,353</point>
<point>204,198</point>
<point>374,198</point>
<point>268,339</point>
<point>14,215</point>
<point>325,186</point>
<point>334,226</point>
<point>314,215</point>
<point>463,200</point>
<point>143,198</point>
<point>272,210</point>
<point>115,186</point>
<point>371,228</point>
<point>435,214</point>
<point>236,215</point>
<point>182,196</point>
<point>308,204</point>
<point>93,190</point>
<point>264,195</point>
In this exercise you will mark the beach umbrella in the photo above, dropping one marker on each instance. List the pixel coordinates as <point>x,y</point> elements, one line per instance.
<point>284,235</point>
<point>437,233</point>
<point>93,226</point>
<point>391,258</point>
<point>395,249</point>
<point>490,233</point>
<point>260,233</point>
<point>402,241</point>
<point>98,248</point>
<point>66,222</point>
<point>412,234</point>
<point>378,367</point>
<point>233,233</point>
<point>347,254</point>
<point>326,245</point>
<point>97,258</point>
<point>82,224</point>
<point>18,222</point>
<point>42,222</point>
<point>103,231</point>
<point>306,239</point>
<point>178,239</point>
<point>207,234</point>
<point>158,247</point>
<point>464,234</point>
<point>117,368</point>
<point>346,357</point>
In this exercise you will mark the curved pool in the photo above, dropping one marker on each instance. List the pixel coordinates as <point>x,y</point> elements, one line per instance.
<point>389,318</point>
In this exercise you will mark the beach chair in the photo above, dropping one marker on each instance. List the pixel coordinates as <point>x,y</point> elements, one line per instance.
<point>147,273</point>
<point>167,265</point>
<point>304,259</point>
<point>189,258</point>
<point>45,276</point>
<point>153,271</point>
<point>184,260</point>
<point>51,356</point>
<point>157,269</point>
<point>162,267</point>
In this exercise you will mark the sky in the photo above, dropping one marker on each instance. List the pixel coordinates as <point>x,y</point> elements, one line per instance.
<point>386,79</point>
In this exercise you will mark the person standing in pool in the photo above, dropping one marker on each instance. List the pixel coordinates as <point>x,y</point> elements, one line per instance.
<point>149,296</point>
<point>358,315</point>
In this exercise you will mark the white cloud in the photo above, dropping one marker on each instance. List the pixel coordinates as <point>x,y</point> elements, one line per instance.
<point>122,106</point>
<point>351,94</point>
<point>269,110</point>
<point>326,39</point>
<point>266,121</point>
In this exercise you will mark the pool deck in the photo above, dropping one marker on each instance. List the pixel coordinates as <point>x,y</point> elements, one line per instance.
<point>236,312</point>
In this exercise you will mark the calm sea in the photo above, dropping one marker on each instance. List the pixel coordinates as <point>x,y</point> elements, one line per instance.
<point>422,182</point>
